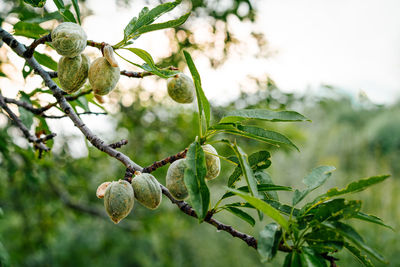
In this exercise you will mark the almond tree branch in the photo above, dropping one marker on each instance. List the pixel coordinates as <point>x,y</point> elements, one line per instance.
<point>65,115</point>
<point>37,142</point>
<point>100,144</point>
<point>161,163</point>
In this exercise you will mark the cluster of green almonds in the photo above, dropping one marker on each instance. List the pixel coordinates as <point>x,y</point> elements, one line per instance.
<point>69,40</point>
<point>119,196</point>
<point>176,172</point>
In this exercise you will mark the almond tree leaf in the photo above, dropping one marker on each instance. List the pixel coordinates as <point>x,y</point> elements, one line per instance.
<point>268,241</point>
<point>164,25</point>
<point>30,30</point>
<point>262,114</point>
<point>349,233</point>
<point>36,3</point>
<point>194,180</point>
<point>241,214</point>
<point>371,218</point>
<point>77,10</point>
<point>45,60</point>
<point>315,179</point>
<point>264,207</point>
<point>202,101</point>
<point>357,253</point>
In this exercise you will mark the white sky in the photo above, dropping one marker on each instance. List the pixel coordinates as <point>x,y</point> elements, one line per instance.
<point>353,44</point>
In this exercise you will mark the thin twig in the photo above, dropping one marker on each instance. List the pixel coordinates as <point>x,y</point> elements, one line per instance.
<point>29,52</point>
<point>65,115</point>
<point>37,143</point>
<point>119,144</point>
<point>39,111</point>
<point>163,162</point>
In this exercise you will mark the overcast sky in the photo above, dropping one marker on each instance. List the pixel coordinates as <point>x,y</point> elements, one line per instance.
<point>353,44</point>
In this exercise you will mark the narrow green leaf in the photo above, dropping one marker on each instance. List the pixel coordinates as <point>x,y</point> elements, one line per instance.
<point>265,178</point>
<point>315,179</point>
<point>246,170</point>
<point>357,253</point>
<point>45,60</point>
<point>26,70</point>
<point>30,30</point>
<point>164,25</point>
<point>261,134</point>
<point>194,180</point>
<point>264,207</point>
<point>292,260</point>
<point>283,208</point>
<point>241,214</point>
<point>337,209</point>
<point>310,258</point>
<point>258,161</point>
<point>68,16</point>
<point>25,115</point>
<point>371,218</point>
<point>150,65</point>
<point>36,3</point>
<point>268,241</point>
<point>45,17</point>
<point>77,11</point>
<point>348,232</point>
<point>59,4</point>
<point>357,186</point>
<point>146,17</point>
<point>204,105</point>
<point>262,114</point>
<point>260,188</point>
<point>353,187</point>
<point>324,240</point>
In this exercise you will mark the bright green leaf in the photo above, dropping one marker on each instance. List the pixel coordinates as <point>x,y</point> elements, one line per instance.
<point>241,214</point>
<point>150,65</point>
<point>268,241</point>
<point>261,134</point>
<point>264,207</point>
<point>194,180</point>
<point>258,161</point>
<point>77,11</point>
<point>265,178</point>
<point>30,30</point>
<point>164,25</point>
<point>45,60</point>
<point>260,188</point>
<point>246,170</point>
<point>204,105</point>
<point>262,114</point>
